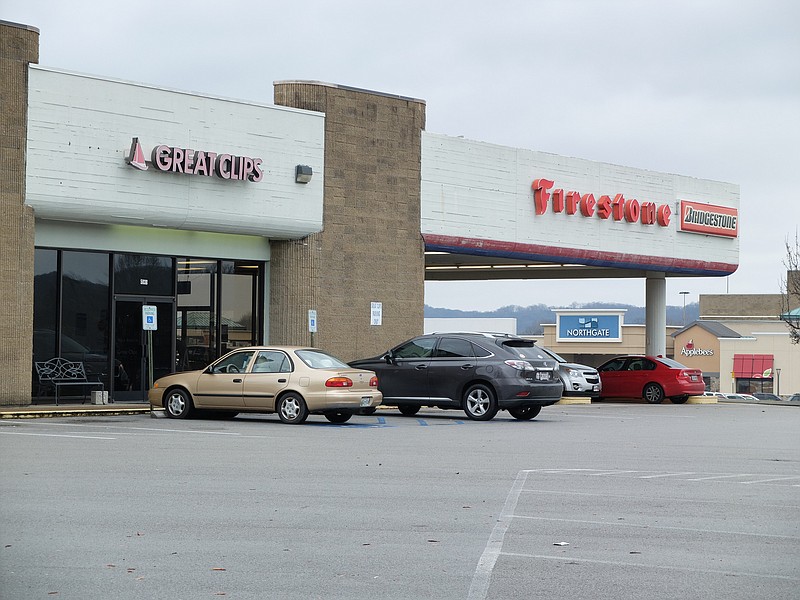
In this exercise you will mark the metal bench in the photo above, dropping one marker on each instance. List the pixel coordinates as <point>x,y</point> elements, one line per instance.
<point>59,372</point>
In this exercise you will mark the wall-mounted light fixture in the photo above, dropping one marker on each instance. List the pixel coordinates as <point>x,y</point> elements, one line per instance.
<point>302,174</point>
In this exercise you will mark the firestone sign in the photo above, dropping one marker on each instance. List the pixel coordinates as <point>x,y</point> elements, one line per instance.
<point>196,162</point>
<point>605,207</point>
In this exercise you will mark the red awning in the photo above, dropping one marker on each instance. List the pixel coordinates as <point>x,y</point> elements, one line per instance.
<point>753,366</point>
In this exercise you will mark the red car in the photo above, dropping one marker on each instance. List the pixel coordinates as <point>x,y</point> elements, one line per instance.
<point>650,377</point>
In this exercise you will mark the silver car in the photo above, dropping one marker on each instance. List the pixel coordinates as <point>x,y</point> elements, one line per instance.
<point>578,380</point>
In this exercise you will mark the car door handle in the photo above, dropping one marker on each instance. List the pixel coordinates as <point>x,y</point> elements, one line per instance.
<point>420,367</point>
<point>237,381</point>
<point>281,381</point>
<point>467,366</point>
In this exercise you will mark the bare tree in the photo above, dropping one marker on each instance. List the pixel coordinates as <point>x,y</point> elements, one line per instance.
<point>790,288</point>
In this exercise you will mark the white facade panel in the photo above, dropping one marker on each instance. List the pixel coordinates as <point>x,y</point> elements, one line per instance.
<point>80,131</point>
<point>477,198</point>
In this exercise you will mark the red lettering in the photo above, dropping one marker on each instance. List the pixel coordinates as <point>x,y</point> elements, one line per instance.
<point>541,195</point>
<point>573,198</point>
<point>648,213</point>
<point>604,207</point>
<point>632,211</point>
<point>558,201</point>
<point>587,205</point>
<point>618,207</point>
<point>664,213</point>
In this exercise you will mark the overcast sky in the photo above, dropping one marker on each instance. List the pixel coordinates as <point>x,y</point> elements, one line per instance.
<point>704,88</point>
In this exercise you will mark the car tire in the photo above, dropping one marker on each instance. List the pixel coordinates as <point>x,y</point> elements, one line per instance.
<point>525,413</point>
<point>338,417</point>
<point>653,393</point>
<point>679,399</point>
<point>178,404</point>
<point>408,410</point>
<point>480,403</point>
<point>292,409</point>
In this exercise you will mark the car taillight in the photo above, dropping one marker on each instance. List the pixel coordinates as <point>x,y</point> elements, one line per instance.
<point>373,382</point>
<point>521,365</point>
<point>339,382</point>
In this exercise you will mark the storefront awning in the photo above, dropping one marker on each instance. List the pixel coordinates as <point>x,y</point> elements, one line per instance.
<point>753,366</point>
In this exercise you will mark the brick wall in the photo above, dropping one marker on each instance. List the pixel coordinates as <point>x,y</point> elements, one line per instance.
<point>19,45</point>
<point>370,249</point>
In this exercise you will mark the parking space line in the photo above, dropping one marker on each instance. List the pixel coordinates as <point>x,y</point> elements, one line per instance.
<point>646,566</point>
<point>729,476</point>
<point>59,435</point>
<point>483,572</point>
<point>770,480</point>
<point>666,475</point>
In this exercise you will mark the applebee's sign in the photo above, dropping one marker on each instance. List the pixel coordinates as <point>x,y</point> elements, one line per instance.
<point>173,159</point>
<point>690,350</point>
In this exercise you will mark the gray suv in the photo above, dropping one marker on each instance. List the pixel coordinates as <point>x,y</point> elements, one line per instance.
<point>578,380</point>
<point>480,373</point>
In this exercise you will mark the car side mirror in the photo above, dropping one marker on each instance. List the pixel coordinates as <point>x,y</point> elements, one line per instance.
<point>388,358</point>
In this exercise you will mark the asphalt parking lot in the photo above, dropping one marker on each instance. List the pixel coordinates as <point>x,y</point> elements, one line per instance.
<point>588,501</point>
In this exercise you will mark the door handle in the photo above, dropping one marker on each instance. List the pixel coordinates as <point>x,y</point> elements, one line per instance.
<point>237,381</point>
<point>281,381</point>
<point>421,367</point>
<point>467,366</point>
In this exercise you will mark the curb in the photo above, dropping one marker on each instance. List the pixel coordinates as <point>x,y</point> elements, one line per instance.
<point>44,413</point>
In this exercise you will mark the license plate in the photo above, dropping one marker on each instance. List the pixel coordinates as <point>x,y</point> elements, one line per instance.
<point>366,400</point>
<point>542,376</point>
<point>693,377</point>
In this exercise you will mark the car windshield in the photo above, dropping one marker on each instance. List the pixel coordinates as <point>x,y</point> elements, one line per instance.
<point>316,359</point>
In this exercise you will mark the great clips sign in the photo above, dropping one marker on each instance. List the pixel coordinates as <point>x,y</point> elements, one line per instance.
<point>709,219</point>
<point>171,159</point>
<point>616,207</point>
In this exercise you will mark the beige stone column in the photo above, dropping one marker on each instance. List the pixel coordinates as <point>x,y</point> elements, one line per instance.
<point>19,45</point>
<point>370,249</point>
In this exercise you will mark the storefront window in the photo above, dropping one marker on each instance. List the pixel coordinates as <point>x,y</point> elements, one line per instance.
<point>239,326</point>
<point>45,304</point>
<point>84,311</point>
<point>142,274</point>
<point>196,325</point>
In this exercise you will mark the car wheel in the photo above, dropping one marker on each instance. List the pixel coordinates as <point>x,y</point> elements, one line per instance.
<point>480,403</point>
<point>292,409</point>
<point>679,399</point>
<point>525,413</point>
<point>653,393</point>
<point>178,405</point>
<point>338,417</point>
<point>408,410</point>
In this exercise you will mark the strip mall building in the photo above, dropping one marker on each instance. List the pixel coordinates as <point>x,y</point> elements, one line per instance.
<point>316,219</point>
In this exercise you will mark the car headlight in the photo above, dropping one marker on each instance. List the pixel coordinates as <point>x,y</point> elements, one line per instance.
<point>573,373</point>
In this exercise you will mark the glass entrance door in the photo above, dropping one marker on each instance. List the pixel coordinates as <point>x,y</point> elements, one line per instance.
<point>131,379</point>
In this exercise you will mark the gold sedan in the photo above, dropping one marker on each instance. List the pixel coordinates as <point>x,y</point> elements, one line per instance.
<point>291,381</point>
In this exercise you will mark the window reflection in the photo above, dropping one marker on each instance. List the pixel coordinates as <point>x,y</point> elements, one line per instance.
<point>196,316</point>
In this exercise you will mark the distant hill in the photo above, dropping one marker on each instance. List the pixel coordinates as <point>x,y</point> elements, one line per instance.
<point>530,318</point>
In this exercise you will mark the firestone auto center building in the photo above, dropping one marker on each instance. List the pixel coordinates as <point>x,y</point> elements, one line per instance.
<point>316,219</point>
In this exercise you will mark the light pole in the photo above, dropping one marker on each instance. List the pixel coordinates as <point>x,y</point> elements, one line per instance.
<point>684,306</point>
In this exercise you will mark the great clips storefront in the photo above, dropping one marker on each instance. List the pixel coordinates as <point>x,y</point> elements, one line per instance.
<point>149,197</point>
